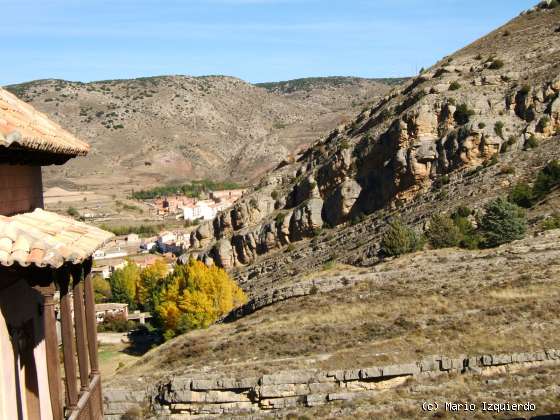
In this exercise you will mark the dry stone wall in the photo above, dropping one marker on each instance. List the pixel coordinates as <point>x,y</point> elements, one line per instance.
<point>207,397</point>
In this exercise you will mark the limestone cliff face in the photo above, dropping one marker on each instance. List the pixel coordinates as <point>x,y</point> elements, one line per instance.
<point>498,95</point>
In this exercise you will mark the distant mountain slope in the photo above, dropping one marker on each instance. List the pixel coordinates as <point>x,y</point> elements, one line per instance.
<point>332,82</point>
<point>152,131</point>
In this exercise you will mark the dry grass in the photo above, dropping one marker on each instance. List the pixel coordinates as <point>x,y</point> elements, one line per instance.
<point>474,302</point>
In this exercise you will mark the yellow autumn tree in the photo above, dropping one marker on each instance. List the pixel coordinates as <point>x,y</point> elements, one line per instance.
<point>148,280</point>
<point>195,296</point>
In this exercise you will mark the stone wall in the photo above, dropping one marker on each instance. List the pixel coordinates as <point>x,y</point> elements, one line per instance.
<point>206,397</point>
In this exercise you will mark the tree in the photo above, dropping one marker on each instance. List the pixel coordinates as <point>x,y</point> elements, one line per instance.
<point>195,296</point>
<point>502,222</point>
<point>400,239</point>
<point>148,281</point>
<point>101,289</point>
<point>442,232</point>
<point>123,284</point>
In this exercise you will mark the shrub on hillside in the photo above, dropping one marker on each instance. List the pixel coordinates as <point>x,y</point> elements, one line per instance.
<point>442,232</point>
<point>522,195</point>
<point>455,85</point>
<point>400,239</point>
<point>552,222</point>
<point>496,64</point>
<point>502,222</point>
<point>463,114</point>
<point>531,142</point>
<point>547,179</point>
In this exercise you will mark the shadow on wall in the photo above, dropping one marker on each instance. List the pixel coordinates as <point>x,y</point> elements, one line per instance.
<point>22,331</point>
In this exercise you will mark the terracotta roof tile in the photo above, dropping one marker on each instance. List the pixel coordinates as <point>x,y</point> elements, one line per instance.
<point>47,239</point>
<point>23,126</point>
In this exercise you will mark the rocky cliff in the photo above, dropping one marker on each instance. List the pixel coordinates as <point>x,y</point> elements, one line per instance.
<point>486,103</point>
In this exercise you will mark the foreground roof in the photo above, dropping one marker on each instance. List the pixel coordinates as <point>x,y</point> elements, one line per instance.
<point>47,239</point>
<point>23,127</point>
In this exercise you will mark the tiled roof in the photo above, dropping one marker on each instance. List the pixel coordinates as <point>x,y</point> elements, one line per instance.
<point>47,239</point>
<point>23,126</point>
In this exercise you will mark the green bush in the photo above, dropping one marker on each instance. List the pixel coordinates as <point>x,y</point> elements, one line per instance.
<point>531,142</point>
<point>502,222</point>
<point>463,114</point>
<point>547,179</point>
<point>481,125</point>
<point>400,239</point>
<point>543,123</point>
<point>496,64</point>
<point>499,129</point>
<point>521,195</point>
<point>442,232</point>
<point>552,222</point>
<point>455,85</point>
<point>71,211</point>
<point>115,323</point>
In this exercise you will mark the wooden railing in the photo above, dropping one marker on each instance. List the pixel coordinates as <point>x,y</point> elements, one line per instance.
<point>82,384</point>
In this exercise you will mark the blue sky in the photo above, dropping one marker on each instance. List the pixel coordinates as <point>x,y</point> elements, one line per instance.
<point>256,40</point>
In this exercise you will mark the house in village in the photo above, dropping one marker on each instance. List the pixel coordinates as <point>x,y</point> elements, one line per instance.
<point>202,210</point>
<point>104,310</point>
<point>40,252</point>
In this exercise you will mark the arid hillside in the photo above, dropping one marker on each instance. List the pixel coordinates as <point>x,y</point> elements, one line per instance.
<point>157,130</point>
<point>438,140</point>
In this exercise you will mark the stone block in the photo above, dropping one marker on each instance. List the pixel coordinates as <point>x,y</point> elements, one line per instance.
<point>398,370</point>
<point>276,403</point>
<point>313,400</point>
<point>283,390</point>
<point>352,375</point>
<point>289,377</point>
<point>501,359</point>
<point>323,387</point>
<point>487,360</point>
<point>342,396</point>
<point>204,384</point>
<point>446,363</point>
<point>337,374</point>
<point>458,363</point>
<point>430,364</point>
<point>552,354</point>
<point>371,372</point>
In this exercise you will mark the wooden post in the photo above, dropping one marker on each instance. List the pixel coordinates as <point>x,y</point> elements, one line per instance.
<point>68,340</point>
<point>91,321</point>
<point>51,347</point>
<point>80,325</point>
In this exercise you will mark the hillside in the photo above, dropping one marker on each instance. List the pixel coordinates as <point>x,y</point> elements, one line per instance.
<point>437,141</point>
<point>153,131</point>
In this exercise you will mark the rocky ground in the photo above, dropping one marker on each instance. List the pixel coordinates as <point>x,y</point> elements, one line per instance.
<point>152,131</point>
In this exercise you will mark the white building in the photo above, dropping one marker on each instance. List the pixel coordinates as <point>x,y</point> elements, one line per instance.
<point>202,210</point>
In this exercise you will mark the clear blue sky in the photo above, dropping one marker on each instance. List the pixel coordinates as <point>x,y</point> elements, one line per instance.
<point>256,40</point>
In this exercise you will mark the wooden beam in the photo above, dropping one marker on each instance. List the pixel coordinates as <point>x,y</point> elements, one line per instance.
<point>51,347</point>
<point>91,321</point>
<point>68,339</point>
<point>80,325</point>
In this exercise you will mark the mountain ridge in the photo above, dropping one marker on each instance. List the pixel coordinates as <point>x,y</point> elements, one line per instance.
<point>156,130</point>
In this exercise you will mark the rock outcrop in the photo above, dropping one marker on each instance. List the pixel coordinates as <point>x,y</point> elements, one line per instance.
<point>217,396</point>
<point>468,111</point>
